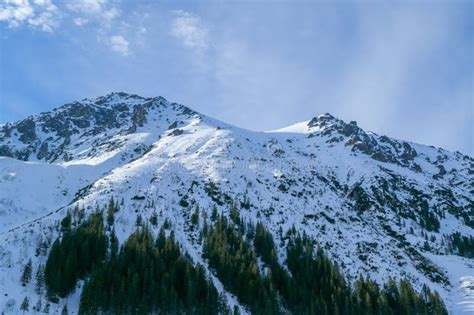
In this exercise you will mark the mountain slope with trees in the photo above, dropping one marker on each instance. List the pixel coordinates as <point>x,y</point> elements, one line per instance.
<point>398,213</point>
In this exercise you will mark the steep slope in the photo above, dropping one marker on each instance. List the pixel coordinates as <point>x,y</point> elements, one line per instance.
<point>377,205</point>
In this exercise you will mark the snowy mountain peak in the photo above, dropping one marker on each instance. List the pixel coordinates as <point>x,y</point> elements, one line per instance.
<point>323,121</point>
<point>377,205</point>
<point>118,100</point>
<point>316,124</point>
<point>334,130</point>
<point>57,134</point>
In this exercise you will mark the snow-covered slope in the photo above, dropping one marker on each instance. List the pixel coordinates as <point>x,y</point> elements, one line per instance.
<point>378,205</point>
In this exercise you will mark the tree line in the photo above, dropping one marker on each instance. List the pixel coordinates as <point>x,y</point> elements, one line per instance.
<point>311,283</point>
<point>153,275</point>
<point>148,276</point>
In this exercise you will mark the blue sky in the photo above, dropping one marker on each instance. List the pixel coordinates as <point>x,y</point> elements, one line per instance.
<point>404,69</point>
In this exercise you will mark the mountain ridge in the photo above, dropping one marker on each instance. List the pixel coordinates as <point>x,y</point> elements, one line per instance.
<point>370,200</point>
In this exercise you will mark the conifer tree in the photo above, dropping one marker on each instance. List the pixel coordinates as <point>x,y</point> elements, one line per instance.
<point>195,216</point>
<point>114,244</point>
<point>166,224</point>
<point>214,213</point>
<point>111,209</point>
<point>234,214</point>
<point>154,218</point>
<point>139,220</point>
<point>25,305</point>
<point>46,308</point>
<point>66,223</point>
<point>64,311</point>
<point>27,271</point>
<point>39,279</point>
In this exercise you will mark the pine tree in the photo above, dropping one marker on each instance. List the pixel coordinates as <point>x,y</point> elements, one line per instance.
<point>46,308</point>
<point>214,213</point>
<point>139,220</point>
<point>42,248</point>
<point>234,214</point>
<point>81,214</point>
<point>26,275</point>
<point>236,310</point>
<point>111,209</point>
<point>66,223</point>
<point>154,218</point>
<point>114,244</point>
<point>39,279</point>
<point>25,305</point>
<point>64,311</point>
<point>195,216</point>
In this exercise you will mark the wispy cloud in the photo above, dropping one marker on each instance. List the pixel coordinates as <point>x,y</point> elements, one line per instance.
<point>88,6</point>
<point>101,14</point>
<point>190,30</point>
<point>119,44</point>
<point>80,21</point>
<point>45,15</point>
<point>100,10</point>
<point>39,14</point>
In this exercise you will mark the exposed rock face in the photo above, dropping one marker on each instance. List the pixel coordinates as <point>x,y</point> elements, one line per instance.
<point>173,125</point>
<point>48,135</point>
<point>27,128</point>
<point>322,121</point>
<point>380,148</point>
<point>176,132</point>
<point>441,173</point>
<point>380,156</point>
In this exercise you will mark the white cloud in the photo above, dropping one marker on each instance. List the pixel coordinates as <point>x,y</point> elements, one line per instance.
<point>16,12</point>
<point>39,14</point>
<point>87,6</point>
<point>45,15</point>
<point>100,10</point>
<point>189,29</point>
<point>109,15</point>
<point>81,21</point>
<point>119,44</point>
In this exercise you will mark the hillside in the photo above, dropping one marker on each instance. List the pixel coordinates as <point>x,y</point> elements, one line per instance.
<point>376,205</point>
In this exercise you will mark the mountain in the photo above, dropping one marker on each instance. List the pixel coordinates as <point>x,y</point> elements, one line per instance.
<point>376,205</point>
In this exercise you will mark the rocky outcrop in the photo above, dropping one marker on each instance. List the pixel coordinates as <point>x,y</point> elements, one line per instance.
<point>47,136</point>
<point>379,148</point>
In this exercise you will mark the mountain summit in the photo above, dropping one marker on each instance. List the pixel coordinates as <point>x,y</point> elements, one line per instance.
<point>376,205</point>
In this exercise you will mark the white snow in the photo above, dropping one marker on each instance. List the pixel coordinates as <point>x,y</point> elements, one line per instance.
<point>288,177</point>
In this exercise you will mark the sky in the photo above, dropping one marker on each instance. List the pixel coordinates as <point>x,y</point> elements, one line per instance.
<point>400,68</point>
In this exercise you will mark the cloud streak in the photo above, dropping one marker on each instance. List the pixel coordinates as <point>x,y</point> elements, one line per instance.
<point>119,45</point>
<point>101,11</point>
<point>189,29</point>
